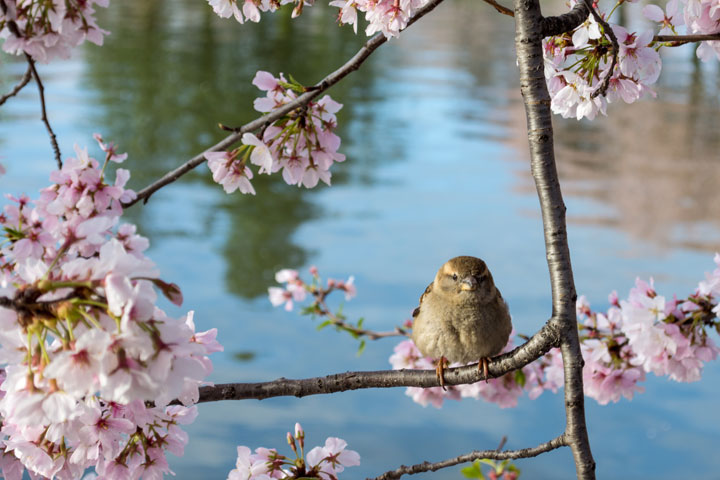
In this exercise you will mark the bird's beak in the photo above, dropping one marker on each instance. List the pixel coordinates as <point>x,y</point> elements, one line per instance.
<point>468,283</point>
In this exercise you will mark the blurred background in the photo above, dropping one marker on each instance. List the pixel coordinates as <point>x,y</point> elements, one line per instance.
<point>437,165</point>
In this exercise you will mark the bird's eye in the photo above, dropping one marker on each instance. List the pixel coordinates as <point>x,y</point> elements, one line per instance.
<point>454,276</point>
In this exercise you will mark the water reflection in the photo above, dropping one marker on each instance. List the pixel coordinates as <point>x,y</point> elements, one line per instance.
<point>172,70</point>
<point>650,169</point>
<point>435,136</point>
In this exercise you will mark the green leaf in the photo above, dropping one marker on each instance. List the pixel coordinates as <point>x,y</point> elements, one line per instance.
<point>360,323</point>
<point>520,377</point>
<point>324,324</point>
<point>361,348</point>
<point>487,461</point>
<point>473,471</point>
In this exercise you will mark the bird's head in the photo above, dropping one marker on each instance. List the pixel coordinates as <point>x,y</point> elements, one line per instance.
<point>466,277</point>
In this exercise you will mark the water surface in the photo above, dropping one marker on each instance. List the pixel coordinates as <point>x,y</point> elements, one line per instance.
<point>434,132</point>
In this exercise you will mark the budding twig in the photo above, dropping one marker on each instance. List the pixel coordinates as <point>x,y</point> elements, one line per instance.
<point>23,81</point>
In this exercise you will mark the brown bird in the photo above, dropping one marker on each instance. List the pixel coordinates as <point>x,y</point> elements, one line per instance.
<point>462,317</point>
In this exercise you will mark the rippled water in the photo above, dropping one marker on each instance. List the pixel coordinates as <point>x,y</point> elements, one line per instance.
<point>434,132</point>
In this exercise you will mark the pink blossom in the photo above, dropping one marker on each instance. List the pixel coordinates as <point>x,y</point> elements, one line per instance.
<point>669,19</point>
<point>332,458</point>
<point>229,172</point>
<point>110,149</point>
<point>304,147</point>
<point>260,155</point>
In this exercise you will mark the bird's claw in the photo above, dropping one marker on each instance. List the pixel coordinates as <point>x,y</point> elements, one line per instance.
<point>439,368</point>
<point>483,367</point>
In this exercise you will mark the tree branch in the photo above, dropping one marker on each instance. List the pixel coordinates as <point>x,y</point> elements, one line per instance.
<point>565,22</point>
<point>556,442</point>
<point>44,117</point>
<point>12,26</point>
<point>607,31</point>
<point>537,346</point>
<point>501,8</point>
<point>678,40</point>
<point>528,45</point>
<point>23,81</point>
<point>313,92</point>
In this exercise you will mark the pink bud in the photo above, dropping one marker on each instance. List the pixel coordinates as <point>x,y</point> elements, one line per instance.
<point>313,270</point>
<point>291,442</point>
<point>299,432</point>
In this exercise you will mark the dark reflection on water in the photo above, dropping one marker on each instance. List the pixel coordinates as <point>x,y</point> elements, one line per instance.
<point>437,166</point>
<point>176,71</point>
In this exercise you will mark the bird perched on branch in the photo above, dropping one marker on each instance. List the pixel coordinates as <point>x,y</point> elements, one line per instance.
<point>462,317</point>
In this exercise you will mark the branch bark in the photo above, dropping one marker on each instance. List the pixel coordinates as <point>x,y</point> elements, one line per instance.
<point>678,40</point>
<point>313,92</point>
<point>566,22</point>
<point>556,442</point>
<point>537,346</point>
<point>528,43</point>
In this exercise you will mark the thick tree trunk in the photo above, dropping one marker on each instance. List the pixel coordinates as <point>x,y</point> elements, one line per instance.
<point>528,43</point>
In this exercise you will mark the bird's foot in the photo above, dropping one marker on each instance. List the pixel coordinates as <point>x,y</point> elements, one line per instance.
<point>483,367</point>
<point>442,364</point>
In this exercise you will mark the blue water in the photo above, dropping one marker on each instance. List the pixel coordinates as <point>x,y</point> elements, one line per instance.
<point>437,166</point>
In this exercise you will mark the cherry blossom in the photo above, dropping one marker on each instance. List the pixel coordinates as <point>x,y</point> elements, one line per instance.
<point>50,29</point>
<point>79,367</point>
<point>324,462</point>
<point>229,172</point>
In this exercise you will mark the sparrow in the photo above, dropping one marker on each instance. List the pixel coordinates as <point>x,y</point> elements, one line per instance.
<point>462,316</point>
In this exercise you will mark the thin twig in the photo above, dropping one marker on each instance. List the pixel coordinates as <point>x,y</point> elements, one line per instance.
<point>12,26</point>
<point>608,31</point>
<point>23,81</point>
<point>313,92</point>
<point>41,91</point>
<point>556,442</point>
<point>501,8</point>
<point>677,40</point>
<point>361,332</point>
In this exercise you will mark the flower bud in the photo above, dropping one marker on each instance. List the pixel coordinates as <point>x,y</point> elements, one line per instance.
<point>291,442</point>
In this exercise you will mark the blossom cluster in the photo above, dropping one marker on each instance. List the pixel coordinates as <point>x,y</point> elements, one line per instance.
<point>579,62</point>
<point>325,462</point>
<point>296,288</point>
<point>301,143</point>
<point>645,333</point>
<point>250,9</point>
<point>703,17</point>
<point>83,345</point>
<point>49,29</point>
<point>387,16</point>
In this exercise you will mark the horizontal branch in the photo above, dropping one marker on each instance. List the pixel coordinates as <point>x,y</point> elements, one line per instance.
<point>541,343</point>
<point>23,81</point>
<point>556,442</point>
<point>683,39</point>
<point>313,92</point>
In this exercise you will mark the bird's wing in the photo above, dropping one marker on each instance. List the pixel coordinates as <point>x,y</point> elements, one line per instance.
<point>422,297</point>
